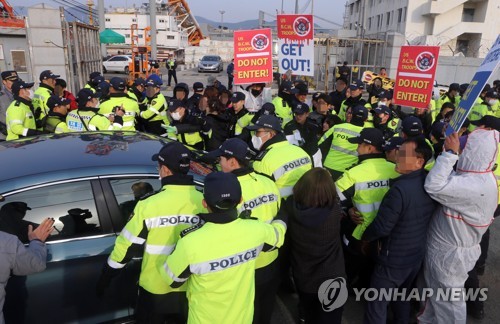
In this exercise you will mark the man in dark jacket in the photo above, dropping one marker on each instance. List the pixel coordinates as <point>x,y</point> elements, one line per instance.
<point>401,226</point>
<point>339,94</point>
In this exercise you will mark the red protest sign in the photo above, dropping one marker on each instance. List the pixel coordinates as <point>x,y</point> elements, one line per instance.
<point>415,76</point>
<point>253,57</point>
<point>296,27</point>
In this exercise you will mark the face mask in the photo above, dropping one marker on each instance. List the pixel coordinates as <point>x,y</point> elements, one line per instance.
<point>256,142</point>
<point>492,102</point>
<point>377,121</point>
<point>150,92</point>
<point>32,94</point>
<point>97,104</point>
<point>382,103</point>
<point>256,93</point>
<point>176,116</point>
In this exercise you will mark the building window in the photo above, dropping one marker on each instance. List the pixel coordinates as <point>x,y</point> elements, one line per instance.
<point>108,19</point>
<point>19,61</point>
<point>350,26</point>
<point>162,20</point>
<point>379,21</point>
<point>404,13</point>
<point>369,23</point>
<point>357,6</point>
<point>462,46</point>
<point>388,20</point>
<point>134,20</point>
<point>140,36</point>
<point>170,37</point>
<point>468,15</point>
<point>400,15</point>
<point>351,9</point>
<point>127,35</point>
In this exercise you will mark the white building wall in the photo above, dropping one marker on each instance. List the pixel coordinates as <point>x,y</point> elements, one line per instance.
<point>168,34</point>
<point>429,22</point>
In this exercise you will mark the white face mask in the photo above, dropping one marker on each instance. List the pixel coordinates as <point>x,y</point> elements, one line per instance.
<point>256,142</point>
<point>176,116</point>
<point>32,94</point>
<point>382,103</point>
<point>97,104</point>
<point>492,102</point>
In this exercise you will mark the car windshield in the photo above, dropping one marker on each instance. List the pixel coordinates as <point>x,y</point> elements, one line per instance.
<point>210,58</point>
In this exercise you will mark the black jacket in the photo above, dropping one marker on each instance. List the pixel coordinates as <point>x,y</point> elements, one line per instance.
<point>337,98</point>
<point>309,133</point>
<point>313,236</point>
<point>402,222</point>
<point>220,127</point>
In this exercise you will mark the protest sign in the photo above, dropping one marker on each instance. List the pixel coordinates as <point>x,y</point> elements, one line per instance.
<point>369,76</point>
<point>253,60</point>
<point>489,65</point>
<point>296,44</point>
<point>415,76</point>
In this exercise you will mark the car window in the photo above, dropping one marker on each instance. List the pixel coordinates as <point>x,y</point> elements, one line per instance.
<point>209,58</point>
<point>128,192</point>
<point>70,204</point>
<point>114,59</point>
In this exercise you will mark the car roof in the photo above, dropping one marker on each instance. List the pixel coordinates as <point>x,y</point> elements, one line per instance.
<point>56,157</point>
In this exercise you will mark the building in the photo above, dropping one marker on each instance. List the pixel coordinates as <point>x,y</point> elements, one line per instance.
<point>169,37</point>
<point>468,27</point>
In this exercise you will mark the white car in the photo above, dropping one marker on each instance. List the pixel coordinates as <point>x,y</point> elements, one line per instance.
<point>117,63</point>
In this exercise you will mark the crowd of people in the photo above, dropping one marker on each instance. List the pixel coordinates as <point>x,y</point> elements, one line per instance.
<point>364,189</point>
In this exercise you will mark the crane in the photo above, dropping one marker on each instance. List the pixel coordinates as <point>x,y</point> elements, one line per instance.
<point>186,20</point>
<point>8,18</point>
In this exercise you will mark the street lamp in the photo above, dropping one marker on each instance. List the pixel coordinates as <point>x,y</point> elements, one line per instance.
<point>222,12</point>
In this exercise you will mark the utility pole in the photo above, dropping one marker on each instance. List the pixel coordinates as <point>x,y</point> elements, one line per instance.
<point>152,23</point>
<point>296,7</point>
<point>102,24</point>
<point>222,12</point>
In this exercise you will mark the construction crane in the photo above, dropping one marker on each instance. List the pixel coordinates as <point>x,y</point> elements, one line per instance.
<point>8,18</point>
<point>186,20</point>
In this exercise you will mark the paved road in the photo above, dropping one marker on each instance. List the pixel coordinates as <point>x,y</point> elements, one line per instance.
<point>286,307</point>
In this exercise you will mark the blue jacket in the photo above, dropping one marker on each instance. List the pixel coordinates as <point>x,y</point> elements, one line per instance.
<point>402,222</point>
<point>230,69</point>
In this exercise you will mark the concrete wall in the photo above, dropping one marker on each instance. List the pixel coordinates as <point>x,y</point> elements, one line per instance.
<point>46,41</point>
<point>459,69</point>
<point>224,49</point>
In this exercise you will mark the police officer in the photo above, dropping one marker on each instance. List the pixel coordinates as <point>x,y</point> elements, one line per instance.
<point>93,81</point>
<point>43,93</point>
<point>119,98</point>
<point>136,91</point>
<point>156,223</point>
<point>155,113</point>
<point>6,97</point>
<point>391,147</point>
<point>186,127</point>
<point>282,103</point>
<point>55,121</point>
<point>221,274</point>
<point>354,98</point>
<point>342,153</point>
<point>382,116</point>
<point>87,117</point>
<point>261,200</point>
<point>486,107</point>
<point>361,189</point>
<point>240,117</point>
<point>283,162</point>
<point>171,68</point>
<point>303,132</point>
<point>20,117</point>
<point>339,94</point>
<point>452,95</point>
<point>300,92</point>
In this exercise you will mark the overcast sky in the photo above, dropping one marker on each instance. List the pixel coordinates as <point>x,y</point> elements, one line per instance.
<point>235,10</point>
